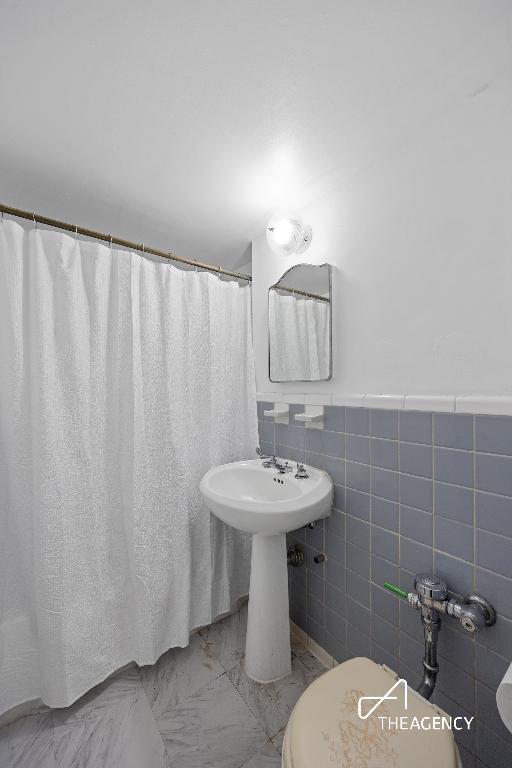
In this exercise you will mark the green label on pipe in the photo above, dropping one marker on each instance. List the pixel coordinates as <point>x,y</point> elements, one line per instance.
<point>395,590</point>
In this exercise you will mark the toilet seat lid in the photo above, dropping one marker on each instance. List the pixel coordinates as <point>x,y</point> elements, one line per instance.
<point>325,729</point>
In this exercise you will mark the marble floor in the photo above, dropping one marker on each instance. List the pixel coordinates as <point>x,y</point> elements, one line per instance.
<point>194,708</point>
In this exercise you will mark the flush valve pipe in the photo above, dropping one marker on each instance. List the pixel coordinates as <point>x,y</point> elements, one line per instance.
<point>430,597</point>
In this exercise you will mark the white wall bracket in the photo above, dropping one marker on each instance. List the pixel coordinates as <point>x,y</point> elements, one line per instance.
<point>313,417</point>
<point>280,412</point>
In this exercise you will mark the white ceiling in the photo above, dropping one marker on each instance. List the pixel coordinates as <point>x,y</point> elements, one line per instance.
<point>185,124</point>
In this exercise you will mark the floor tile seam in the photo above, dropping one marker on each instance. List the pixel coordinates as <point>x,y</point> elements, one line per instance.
<point>248,706</point>
<point>153,716</point>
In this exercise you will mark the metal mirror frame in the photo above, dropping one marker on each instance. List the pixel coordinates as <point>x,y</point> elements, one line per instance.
<point>276,286</point>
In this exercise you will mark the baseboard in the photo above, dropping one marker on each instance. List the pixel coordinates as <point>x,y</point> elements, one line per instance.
<point>316,650</point>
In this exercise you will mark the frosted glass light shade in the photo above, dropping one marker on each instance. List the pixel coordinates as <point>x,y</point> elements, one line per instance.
<point>287,235</point>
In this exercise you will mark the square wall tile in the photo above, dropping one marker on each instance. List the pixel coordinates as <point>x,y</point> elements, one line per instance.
<point>383,570</point>
<point>357,421</point>
<point>416,492</point>
<point>335,625</point>
<point>385,634</point>
<point>385,483</point>
<point>358,476</point>
<point>494,473</point>
<point>457,573</point>
<point>415,557</point>
<point>457,647</point>
<point>334,418</point>
<point>458,684</point>
<point>454,502</point>
<point>328,443</point>
<point>453,430</point>
<point>335,572</point>
<point>494,552</point>
<point>357,504</point>
<point>493,434</point>
<point>358,616</point>
<point>358,588</point>
<point>316,587</point>
<point>358,560</point>
<point>336,647</point>
<point>335,524</point>
<point>289,454</point>
<point>490,668</point>
<point>316,610</point>
<point>335,467</point>
<point>358,448</point>
<point>453,466</point>
<point>291,436</point>
<point>385,544</point>
<point>266,431</point>
<point>315,631</point>
<point>416,427</point>
<point>384,453</point>
<point>498,589</point>
<point>455,538</point>
<point>335,598</point>
<point>487,711</point>
<point>494,513</point>
<point>384,423</point>
<point>499,637</point>
<point>385,605</point>
<point>416,525</point>
<point>358,643</point>
<point>384,513</point>
<point>416,459</point>
<point>358,532</point>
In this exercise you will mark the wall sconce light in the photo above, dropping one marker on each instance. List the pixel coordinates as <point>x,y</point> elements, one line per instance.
<point>287,235</point>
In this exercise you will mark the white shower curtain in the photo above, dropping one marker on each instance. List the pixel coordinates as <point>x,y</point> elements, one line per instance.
<point>299,338</point>
<point>122,381</point>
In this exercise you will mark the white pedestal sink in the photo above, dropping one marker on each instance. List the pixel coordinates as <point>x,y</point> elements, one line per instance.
<point>267,504</point>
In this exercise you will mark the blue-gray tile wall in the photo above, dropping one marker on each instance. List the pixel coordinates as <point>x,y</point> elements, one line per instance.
<point>414,492</point>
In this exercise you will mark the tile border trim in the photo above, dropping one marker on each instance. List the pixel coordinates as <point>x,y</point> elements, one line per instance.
<point>470,404</point>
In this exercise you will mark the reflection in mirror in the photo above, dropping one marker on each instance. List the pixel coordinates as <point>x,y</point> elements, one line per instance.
<point>299,323</point>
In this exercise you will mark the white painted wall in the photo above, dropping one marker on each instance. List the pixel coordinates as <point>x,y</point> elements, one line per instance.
<point>421,243</point>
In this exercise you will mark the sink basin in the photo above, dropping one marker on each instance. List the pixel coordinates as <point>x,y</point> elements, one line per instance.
<point>258,500</point>
<point>266,503</point>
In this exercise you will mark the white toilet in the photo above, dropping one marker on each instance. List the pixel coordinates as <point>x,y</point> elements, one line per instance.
<point>325,730</point>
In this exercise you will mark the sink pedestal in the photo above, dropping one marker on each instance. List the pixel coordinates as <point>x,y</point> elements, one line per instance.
<point>267,649</point>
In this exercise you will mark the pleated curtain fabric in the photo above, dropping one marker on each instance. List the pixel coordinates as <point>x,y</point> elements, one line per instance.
<point>122,381</point>
<point>299,338</point>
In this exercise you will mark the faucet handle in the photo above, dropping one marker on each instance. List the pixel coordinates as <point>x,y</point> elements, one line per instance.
<point>301,473</point>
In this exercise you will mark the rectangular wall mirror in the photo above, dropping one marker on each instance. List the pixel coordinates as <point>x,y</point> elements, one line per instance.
<point>299,324</point>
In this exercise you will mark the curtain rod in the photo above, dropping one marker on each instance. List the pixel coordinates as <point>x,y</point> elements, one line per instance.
<point>37,219</point>
<point>301,293</point>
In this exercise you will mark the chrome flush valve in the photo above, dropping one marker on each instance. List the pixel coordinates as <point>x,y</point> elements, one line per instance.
<point>431,598</point>
<point>431,594</point>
